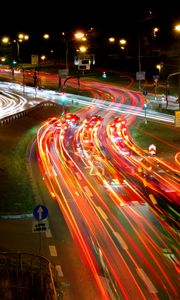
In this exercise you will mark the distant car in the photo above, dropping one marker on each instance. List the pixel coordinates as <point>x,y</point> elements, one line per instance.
<point>92,121</point>
<point>120,122</point>
<point>72,119</point>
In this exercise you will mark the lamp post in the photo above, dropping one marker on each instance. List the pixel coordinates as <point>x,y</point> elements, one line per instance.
<point>159,67</point>
<point>77,36</point>
<point>177,30</point>
<point>21,37</point>
<point>139,61</point>
<point>6,41</point>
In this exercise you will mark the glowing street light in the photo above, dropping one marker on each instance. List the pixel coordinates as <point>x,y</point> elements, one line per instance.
<point>177,28</point>
<point>20,38</point>
<point>111,39</point>
<point>82,49</point>
<point>76,36</point>
<point>155,30</point>
<point>159,67</point>
<point>122,42</point>
<point>5,40</point>
<point>46,36</point>
<point>43,57</point>
<point>79,35</point>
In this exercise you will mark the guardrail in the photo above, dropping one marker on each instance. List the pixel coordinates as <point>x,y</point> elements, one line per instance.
<point>21,114</point>
<point>27,276</point>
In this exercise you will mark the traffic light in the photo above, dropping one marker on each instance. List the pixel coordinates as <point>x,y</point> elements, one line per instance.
<point>63,101</point>
<point>14,63</point>
<point>145,92</point>
<point>104,74</point>
<point>63,98</point>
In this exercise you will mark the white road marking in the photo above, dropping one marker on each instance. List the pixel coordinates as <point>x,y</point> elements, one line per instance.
<point>147,281</point>
<point>121,241</point>
<point>87,190</point>
<point>48,233</point>
<point>102,213</point>
<point>59,271</point>
<point>52,250</point>
<point>78,176</point>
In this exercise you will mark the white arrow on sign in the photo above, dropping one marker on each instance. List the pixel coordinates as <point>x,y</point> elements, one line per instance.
<point>40,211</point>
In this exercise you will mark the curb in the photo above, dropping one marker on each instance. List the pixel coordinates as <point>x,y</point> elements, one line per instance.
<point>14,217</point>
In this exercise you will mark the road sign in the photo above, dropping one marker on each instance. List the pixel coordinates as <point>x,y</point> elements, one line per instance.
<point>63,72</point>
<point>38,226</point>
<point>140,75</point>
<point>152,149</point>
<point>40,212</point>
<point>177,118</point>
<point>34,59</point>
<point>156,78</point>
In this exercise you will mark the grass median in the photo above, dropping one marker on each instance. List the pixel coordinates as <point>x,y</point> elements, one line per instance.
<point>16,195</point>
<point>166,138</point>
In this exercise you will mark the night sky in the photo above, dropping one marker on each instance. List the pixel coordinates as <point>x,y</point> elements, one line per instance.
<point>115,17</point>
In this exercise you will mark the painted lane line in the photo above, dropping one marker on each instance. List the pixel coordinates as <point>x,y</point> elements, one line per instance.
<point>78,176</point>
<point>120,240</point>
<point>147,281</point>
<point>48,233</point>
<point>88,192</point>
<point>59,271</point>
<point>52,250</point>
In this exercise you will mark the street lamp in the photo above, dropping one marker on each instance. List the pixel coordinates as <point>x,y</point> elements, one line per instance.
<point>111,39</point>
<point>155,30</point>
<point>21,37</point>
<point>46,36</point>
<point>82,49</point>
<point>139,61</point>
<point>122,43</point>
<point>177,30</point>
<point>159,67</point>
<point>77,36</point>
<point>5,40</point>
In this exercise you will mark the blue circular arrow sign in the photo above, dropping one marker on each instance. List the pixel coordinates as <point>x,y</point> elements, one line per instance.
<point>40,212</point>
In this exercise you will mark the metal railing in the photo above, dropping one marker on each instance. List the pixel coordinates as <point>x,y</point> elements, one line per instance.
<point>27,276</point>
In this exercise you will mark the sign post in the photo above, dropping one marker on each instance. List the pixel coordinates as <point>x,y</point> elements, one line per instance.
<point>34,59</point>
<point>40,213</point>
